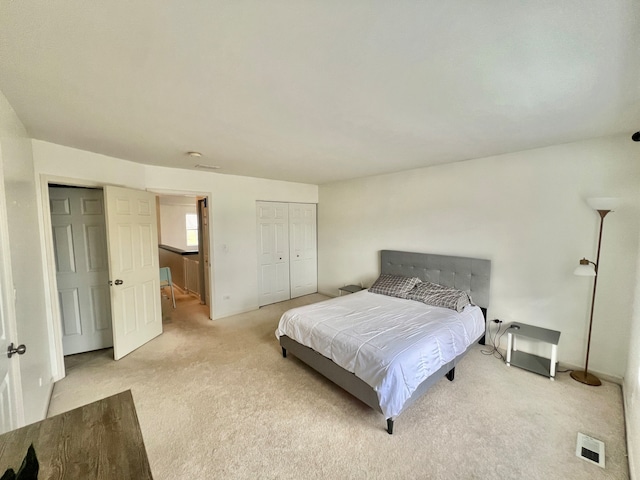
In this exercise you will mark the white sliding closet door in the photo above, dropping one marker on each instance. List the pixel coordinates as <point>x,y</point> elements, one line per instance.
<point>303,249</point>
<point>273,252</point>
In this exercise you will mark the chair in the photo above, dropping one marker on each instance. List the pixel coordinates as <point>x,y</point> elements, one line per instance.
<point>165,281</point>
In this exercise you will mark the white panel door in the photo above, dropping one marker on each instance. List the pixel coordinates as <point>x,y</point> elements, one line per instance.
<point>303,249</point>
<point>11,413</point>
<point>82,269</point>
<point>132,234</point>
<point>273,252</point>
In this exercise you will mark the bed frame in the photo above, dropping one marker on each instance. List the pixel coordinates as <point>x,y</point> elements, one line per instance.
<point>469,274</point>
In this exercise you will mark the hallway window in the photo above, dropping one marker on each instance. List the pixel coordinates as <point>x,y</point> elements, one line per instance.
<point>192,229</point>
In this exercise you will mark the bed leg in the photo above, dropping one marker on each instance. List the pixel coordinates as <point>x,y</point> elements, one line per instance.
<point>451,374</point>
<point>390,426</point>
<point>484,314</point>
<point>284,352</point>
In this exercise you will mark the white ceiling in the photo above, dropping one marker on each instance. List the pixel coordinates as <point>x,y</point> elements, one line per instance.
<point>324,90</point>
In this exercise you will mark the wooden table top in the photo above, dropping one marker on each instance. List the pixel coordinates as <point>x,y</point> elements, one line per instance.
<point>101,440</point>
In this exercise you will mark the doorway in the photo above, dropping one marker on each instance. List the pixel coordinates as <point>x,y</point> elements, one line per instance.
<point>142,291</point>
<point>183,236</point>
<point>132,283</point>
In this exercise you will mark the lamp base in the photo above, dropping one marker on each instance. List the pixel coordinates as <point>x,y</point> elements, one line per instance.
<point>586,378</point>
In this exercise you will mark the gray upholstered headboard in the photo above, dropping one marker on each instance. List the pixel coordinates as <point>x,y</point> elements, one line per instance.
<point>472,275</point>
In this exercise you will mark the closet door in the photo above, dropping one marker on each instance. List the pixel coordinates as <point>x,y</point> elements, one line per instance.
<point>303,249</point>
<point>273,252</point>
<point>82,268</point>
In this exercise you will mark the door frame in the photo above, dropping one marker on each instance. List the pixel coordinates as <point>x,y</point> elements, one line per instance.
<point>207,195</point>
<point>203,275</point>
<point>54,320</point>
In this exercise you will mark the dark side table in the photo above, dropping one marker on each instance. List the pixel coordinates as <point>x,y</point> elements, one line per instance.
<point>533,363</point>
<point>350,289</point>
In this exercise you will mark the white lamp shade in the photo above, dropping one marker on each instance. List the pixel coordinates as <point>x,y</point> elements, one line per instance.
<point>604,203</point>
<point>585,271</point>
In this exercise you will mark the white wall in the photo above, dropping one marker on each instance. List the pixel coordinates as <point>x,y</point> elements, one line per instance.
<point>60,161</point>
<point>26,263</point>
<point>525,212</point>
<point>631,388</point>
<point>232,210</point>
<point>233,227</point>
<point>173,221</point>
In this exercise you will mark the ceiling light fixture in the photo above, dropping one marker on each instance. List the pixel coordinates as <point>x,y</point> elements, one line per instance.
<point>207,167</point>
<point>194,154</point>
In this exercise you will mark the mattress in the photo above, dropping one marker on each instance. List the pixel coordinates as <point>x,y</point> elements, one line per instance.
<point>392,344</point>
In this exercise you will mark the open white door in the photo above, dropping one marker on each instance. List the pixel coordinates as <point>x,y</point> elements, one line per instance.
<point>11,413</point>
<point>132,236</point>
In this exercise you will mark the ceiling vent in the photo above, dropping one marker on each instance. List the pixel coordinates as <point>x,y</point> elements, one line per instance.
<point>207,167</point>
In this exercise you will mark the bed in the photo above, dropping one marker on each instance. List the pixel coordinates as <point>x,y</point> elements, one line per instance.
<point>373,369</point>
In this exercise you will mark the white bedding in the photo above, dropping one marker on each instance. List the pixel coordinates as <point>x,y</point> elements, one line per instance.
<point>390,343</point>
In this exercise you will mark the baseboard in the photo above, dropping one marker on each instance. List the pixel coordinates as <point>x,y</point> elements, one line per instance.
<point>48,404</point>
<point>231,313</point>
<point>328,294</point>
<point>568,366</point>
<point>633,474</point>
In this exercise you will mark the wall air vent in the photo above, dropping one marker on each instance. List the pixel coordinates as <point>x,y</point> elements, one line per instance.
<point>590,449</point>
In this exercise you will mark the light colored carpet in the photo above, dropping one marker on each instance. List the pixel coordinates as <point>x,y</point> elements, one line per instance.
<point>217,400</point>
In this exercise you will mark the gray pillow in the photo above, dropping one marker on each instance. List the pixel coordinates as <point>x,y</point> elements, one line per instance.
<point>440,296</point>
<point>394,285</point>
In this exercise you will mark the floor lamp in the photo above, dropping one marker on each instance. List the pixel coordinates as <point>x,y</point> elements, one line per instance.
<point>588,268</point>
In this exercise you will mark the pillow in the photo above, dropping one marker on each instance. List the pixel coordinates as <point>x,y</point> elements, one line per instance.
<point>440,296</point>
<point>394,285</point>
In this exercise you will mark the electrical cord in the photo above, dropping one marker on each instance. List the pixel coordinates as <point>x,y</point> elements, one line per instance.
<point>495,352</point>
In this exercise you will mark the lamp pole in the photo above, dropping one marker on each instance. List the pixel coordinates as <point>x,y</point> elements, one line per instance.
<point>584,376</point>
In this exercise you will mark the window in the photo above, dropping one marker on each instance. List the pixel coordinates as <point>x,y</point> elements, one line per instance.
<point>192,229</point>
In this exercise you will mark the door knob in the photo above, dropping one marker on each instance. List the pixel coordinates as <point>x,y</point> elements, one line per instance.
<point>118,282</point>
<point>20,350</point>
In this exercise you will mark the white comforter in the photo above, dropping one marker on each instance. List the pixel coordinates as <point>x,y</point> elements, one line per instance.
<point>390,343</point>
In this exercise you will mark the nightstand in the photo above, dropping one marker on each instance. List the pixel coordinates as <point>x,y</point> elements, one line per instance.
<point>350,289</point>
<point>533,363</point>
